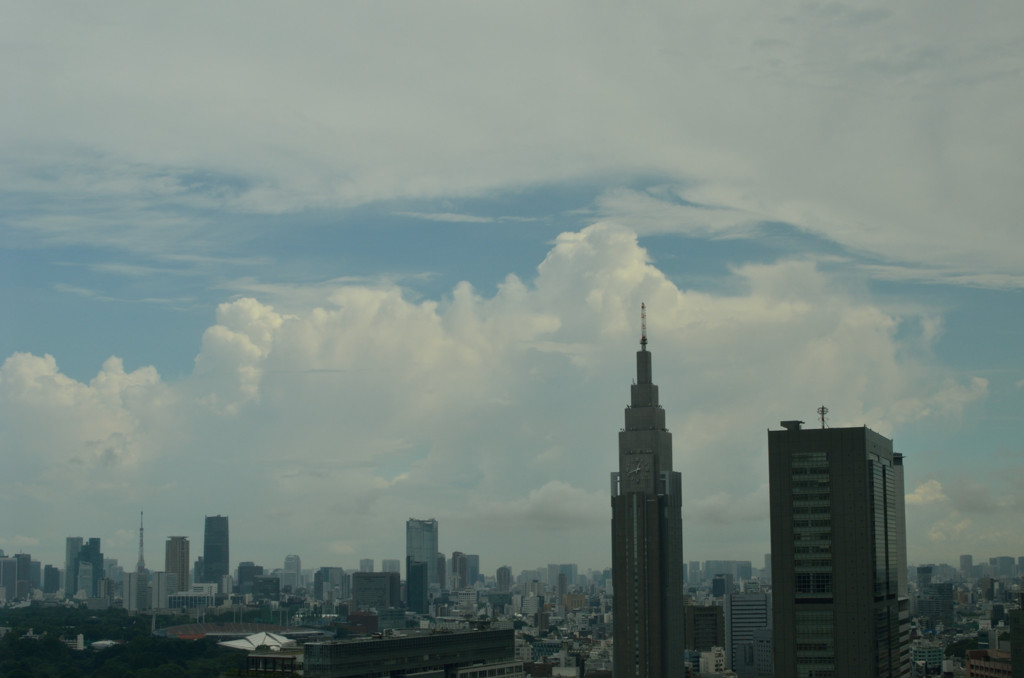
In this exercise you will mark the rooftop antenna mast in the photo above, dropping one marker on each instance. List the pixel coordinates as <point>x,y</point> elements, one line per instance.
<point>141,567</point>
<point>643,325</point>
<point>822,411</point>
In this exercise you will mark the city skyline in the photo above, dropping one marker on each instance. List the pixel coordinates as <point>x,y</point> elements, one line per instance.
<point>373,279</point>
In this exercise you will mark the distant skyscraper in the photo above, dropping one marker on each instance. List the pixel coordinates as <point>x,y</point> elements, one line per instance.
<point>91,554</point>
<point>459,571</point>
<point>421,545</point>
<point>504,579</point>
<point>416,587</point>
<point>51,579</point>
<point>71,549</point>
<point>838,541</point>
<point>1017,639</point>
<point>745,614</point>
<point>647,538</point>
<point>366,565</point>
<point>216,554</point>
<point>377,590</point>
<point>135,592</point>
<point>9,578</point>
<point>24,574</point>
<point>164,584</point>
<point>176,561</point>
<point>695,573</point>
<point>391,565</point>
<point>472,569</point>
<point>247,573</point>
<point>704,626</point>
<point>292,572</point>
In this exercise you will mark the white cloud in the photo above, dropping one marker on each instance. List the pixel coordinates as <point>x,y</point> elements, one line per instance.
<point>321,428</point>
<point>927,492</point>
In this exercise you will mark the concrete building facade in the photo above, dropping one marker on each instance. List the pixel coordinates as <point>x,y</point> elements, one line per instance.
<point>745,615</point>
<point>176,560</point>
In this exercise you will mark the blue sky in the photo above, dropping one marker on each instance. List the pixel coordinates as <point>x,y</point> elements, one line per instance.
<point>323,269</point>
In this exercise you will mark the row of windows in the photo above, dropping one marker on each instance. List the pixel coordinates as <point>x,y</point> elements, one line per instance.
<point>814,482</point>
<point>816,537</point>
<point>811,472</point>
<point>818,522</point>
<point>822,549</point>
<point>812,496</point>
<point>814,582</point>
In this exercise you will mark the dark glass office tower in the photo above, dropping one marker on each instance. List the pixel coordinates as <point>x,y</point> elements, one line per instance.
<point>647,539</point>
<point>215,549</point>
<point>421,546</point>
<point>838,549</point>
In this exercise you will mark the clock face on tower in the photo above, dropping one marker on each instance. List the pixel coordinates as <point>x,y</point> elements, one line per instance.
<point>638,472</point>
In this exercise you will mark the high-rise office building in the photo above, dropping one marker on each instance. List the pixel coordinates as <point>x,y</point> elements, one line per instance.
<point>24,574</point>
<point>292,575</point>
<point>89,553</point>
<point>421,546</point>
<point>647,537</point>
<point>1017,639</point>
<point>247,573</point>
<point>417,598</point>
<point>442,570</point>
<point>216,554</point>
<point>966,566</point>
<point>135,592</point>
<point>838,541</point>
<point>460,571</point>
<point>164,585</point>
<point>8,578</point>
<point>745,614</point>
<point>503,578</point>
<point>391,565</point>
<point>176,561</point>
<point>366,564</point>
<point>704,626</point>
<point>51,579</point>
<point>377,590</point>
<point>72,546</point>
<point>330,584</point>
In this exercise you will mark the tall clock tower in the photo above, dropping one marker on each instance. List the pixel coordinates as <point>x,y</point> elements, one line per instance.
<point>647,537</point>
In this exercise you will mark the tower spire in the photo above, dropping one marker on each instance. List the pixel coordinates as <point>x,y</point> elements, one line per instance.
<point>141,567</point>
<point>643,325</point>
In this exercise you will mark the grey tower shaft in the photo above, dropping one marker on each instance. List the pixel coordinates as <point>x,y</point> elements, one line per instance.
<point>647,539</point>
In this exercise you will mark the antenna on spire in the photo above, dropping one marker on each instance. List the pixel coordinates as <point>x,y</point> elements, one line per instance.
<point>141,567</point>
<point>822,411</point>
<point>643,325</point>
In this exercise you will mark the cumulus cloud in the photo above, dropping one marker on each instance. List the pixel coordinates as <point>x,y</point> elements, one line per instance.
<point>320,428</point>
<point>927,492</point>
<point>53,420</point>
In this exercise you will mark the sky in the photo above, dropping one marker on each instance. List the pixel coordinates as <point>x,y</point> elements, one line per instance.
<point>325,267</point>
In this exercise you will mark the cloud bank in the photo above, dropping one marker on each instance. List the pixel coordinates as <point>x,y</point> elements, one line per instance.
<point>322,420</point>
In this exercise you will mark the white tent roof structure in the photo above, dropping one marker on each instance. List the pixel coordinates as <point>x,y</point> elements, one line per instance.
<point>270,640</point>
